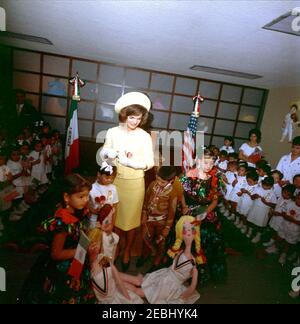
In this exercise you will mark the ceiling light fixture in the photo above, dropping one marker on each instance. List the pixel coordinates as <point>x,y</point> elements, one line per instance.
<point>237,74</point>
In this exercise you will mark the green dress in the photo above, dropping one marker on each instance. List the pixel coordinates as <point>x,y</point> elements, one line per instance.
<point>198,195</point>
<point>48,281</point>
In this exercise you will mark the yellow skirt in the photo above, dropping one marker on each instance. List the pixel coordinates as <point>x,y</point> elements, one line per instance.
<point>131,194</point>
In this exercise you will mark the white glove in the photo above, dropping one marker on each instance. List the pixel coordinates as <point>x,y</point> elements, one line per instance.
<point>108,153</point>
<point>131,163</point>
<point>200,217</point>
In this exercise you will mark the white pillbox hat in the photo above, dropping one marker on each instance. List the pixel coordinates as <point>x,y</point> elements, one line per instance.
<point>132,98</point>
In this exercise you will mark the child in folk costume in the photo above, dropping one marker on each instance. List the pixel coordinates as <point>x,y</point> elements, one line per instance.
<point>245,203</point>
<point>109,285</point>
<point>158,214</point>
<point>103,191</point>
<point>277,216</point>
<point>167,285</point>
<point>264,198</point>
<point>62,275</point>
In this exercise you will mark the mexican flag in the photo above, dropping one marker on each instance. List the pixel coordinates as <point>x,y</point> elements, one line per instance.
<point>72,140</point>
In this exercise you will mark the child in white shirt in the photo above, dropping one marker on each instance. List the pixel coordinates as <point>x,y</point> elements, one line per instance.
<point>290,229</point>
<point>239,183</point>
<point>277,216</point>
<point>245,202</point>
<point>229,177</point>
<point>277,176</point>
<point>221,162</point>
<point>228,145</point>
<point>103,191</point>
<point>264,198</point>
<point>38,172</point>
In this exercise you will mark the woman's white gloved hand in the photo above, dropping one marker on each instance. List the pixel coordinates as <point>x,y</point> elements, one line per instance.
<point>108,153</point>
<point>131,163</point>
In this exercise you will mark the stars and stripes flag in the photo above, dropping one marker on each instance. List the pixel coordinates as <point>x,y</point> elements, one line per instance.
<point>189,141</point>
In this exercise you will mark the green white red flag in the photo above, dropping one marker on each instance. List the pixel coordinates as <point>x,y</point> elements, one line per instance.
<point>72,140</point>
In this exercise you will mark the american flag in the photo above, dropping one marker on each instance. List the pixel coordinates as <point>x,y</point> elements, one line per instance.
<point>189,144</point>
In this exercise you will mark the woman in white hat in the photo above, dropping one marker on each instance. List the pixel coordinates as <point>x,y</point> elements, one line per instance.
<point>132,151</point>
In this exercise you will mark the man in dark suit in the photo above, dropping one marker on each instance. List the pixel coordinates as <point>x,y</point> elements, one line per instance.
<point>25,113</point>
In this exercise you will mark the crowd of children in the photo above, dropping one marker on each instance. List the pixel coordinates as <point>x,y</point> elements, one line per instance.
<point>29,162</point>
<point>262,202</point>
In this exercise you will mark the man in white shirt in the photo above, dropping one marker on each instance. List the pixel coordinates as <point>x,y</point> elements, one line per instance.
<point>289,164</point>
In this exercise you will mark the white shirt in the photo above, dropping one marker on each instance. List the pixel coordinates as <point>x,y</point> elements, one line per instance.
<point>288,168</point>
<point>248,150</point>
<point>109,192</point>
<point>16,168</point>
<point>221,164</point>
<point>228,149</point>
<point>4,171</point>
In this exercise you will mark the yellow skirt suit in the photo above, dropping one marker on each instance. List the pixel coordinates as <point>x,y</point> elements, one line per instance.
<point>130,182</point>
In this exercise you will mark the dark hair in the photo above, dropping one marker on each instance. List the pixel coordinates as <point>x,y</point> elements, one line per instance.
<point>256,132</point>
<point>74,183</point>
<point>233,163</point>
<point>134,110</point>
<point>294,105</point>
<point>167,173</point>
<point>296,140</point>
<point>223,152</point>
<point>296,176</point>
<point>243,165</point>
<point>233,155</point>
<point>268,181</point>
<point>208,152</point>
<point>229,138</point>
<point>289,188</point>
<point>107,173</point>
<point>252,175</point>
<point>265,167</point>
<point>279,173</point>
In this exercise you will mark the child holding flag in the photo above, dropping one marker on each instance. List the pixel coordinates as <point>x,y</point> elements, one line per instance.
<point>61,276</point>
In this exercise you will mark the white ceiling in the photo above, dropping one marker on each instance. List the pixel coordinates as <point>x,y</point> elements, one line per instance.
<point>167,36</point>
